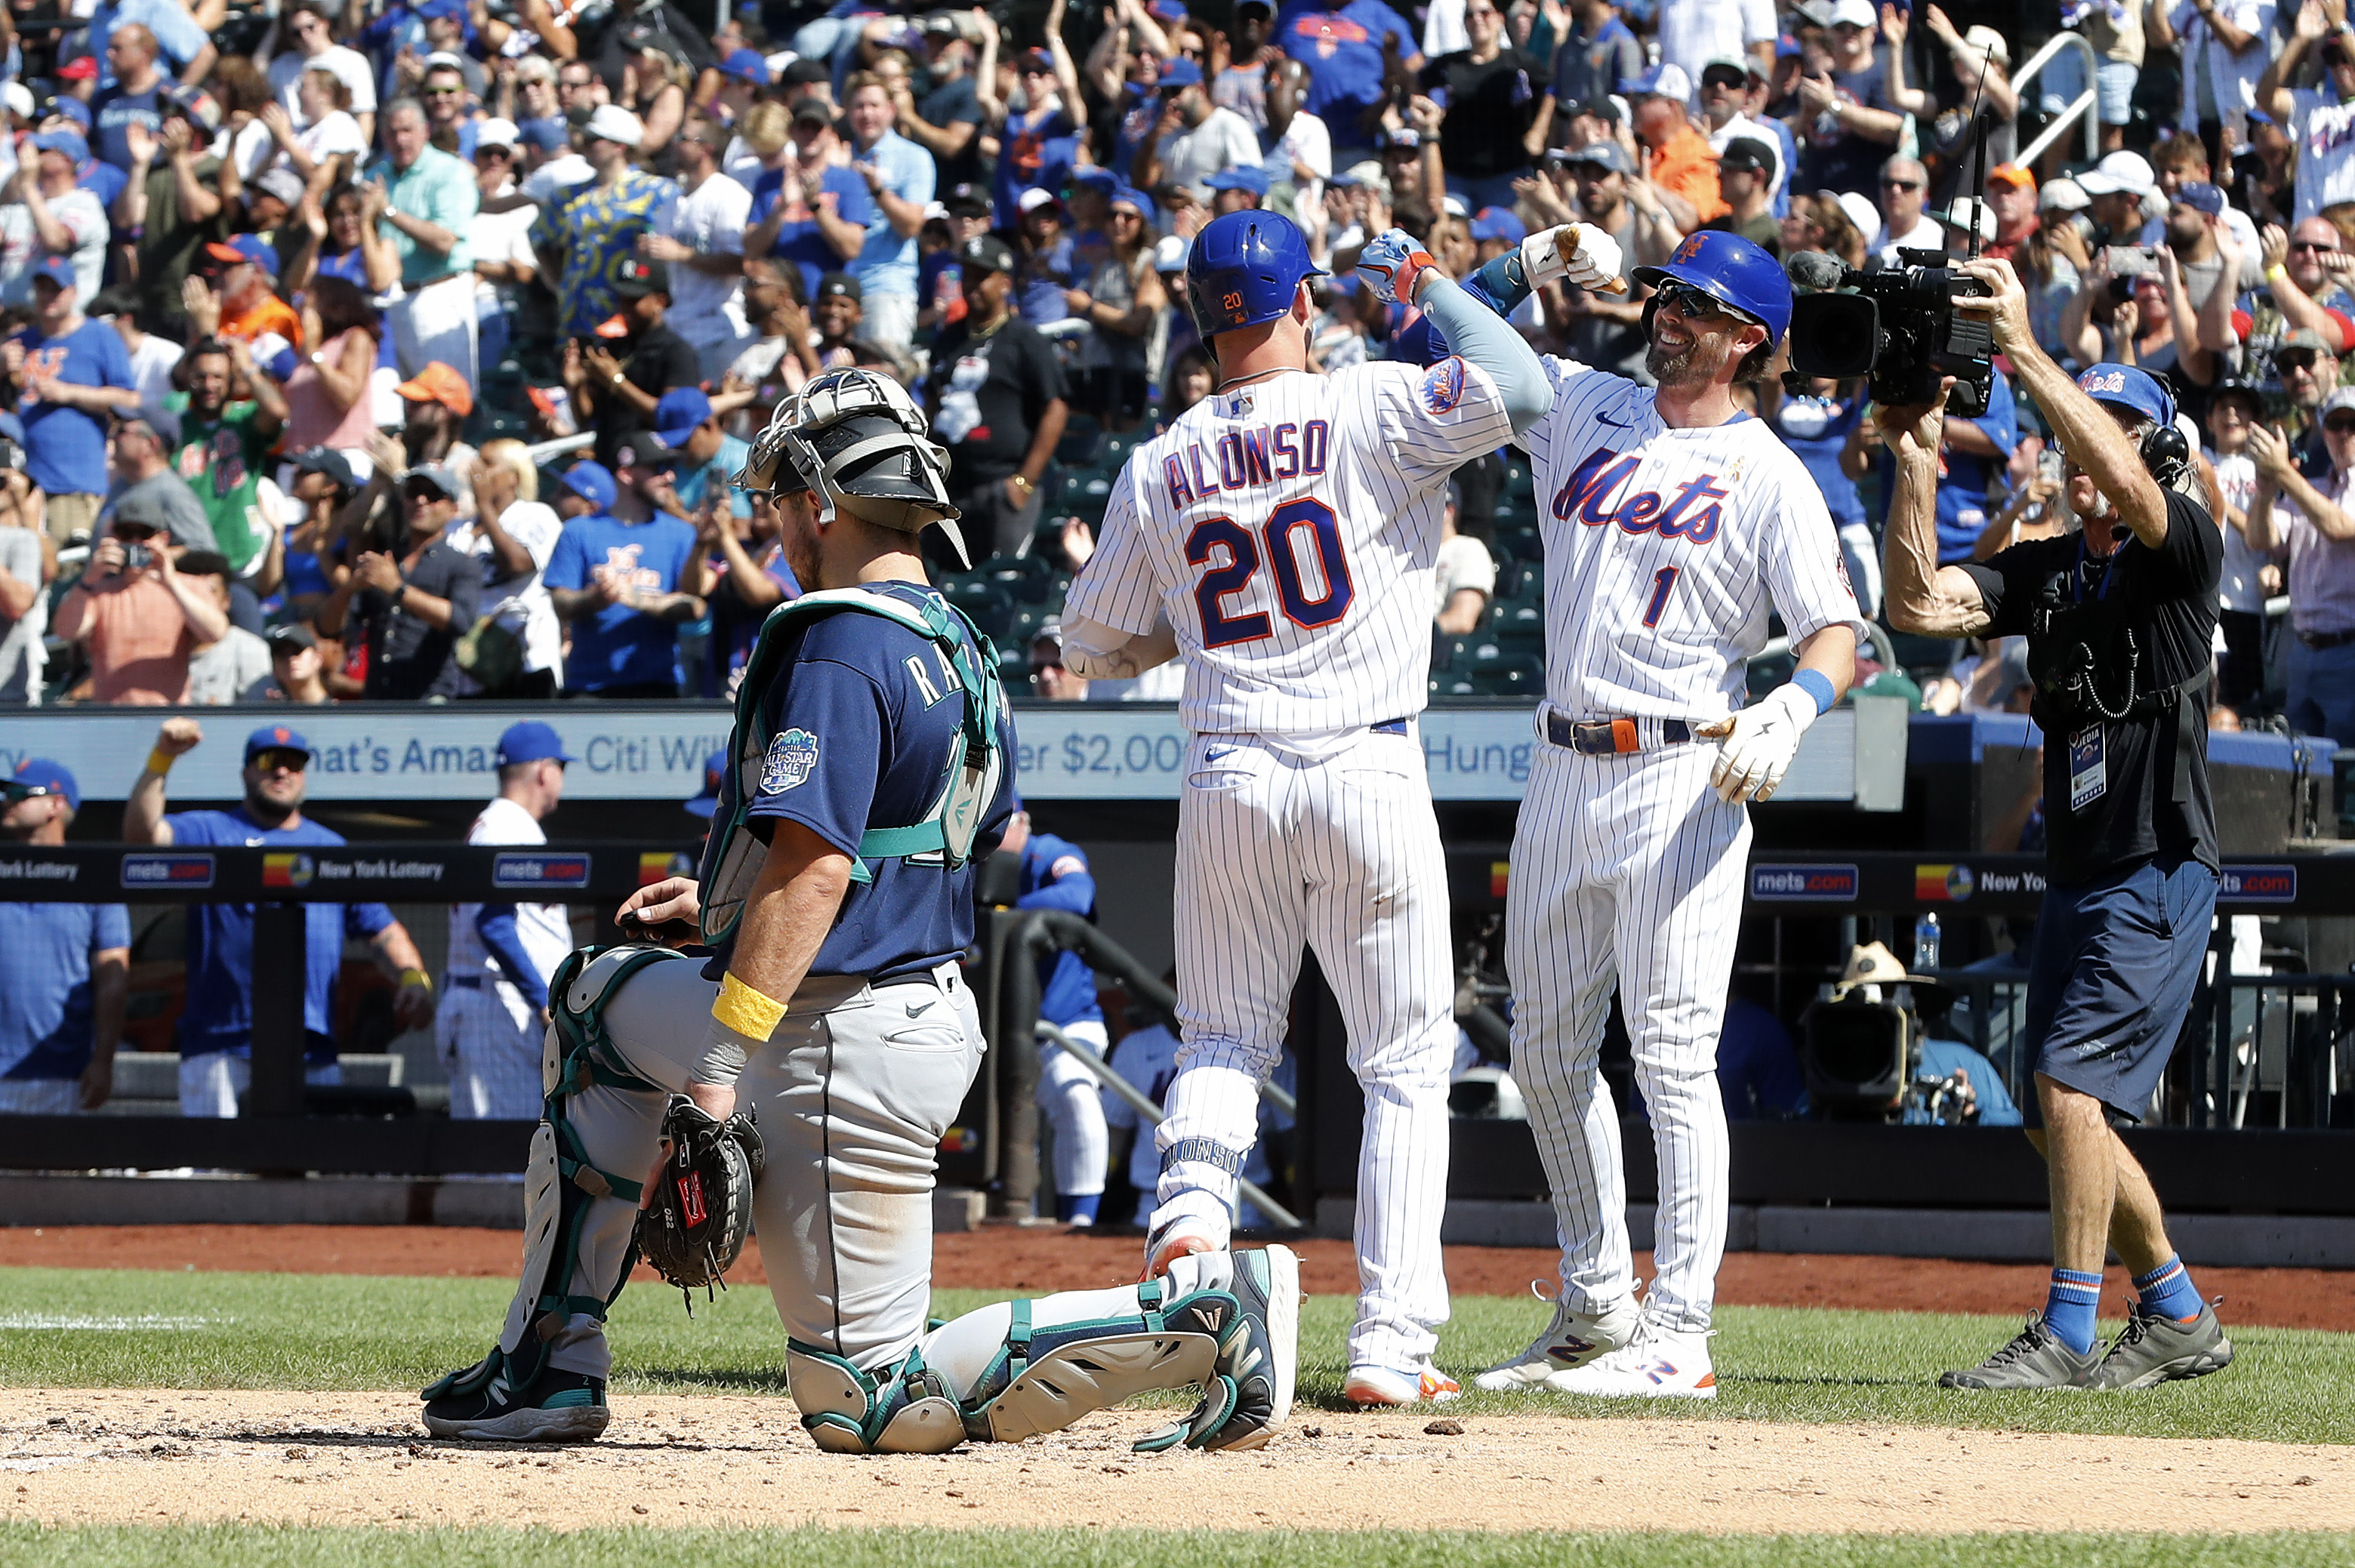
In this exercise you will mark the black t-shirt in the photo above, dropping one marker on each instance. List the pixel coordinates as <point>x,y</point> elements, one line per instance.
<point>1490,108</point>
<point>954,104</point>
<point>2166,599</point>
<point>659,360</point>
<point>991,393</point>
<point>407,659</point>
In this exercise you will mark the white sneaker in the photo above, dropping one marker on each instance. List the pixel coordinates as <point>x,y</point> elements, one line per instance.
<point>1571,1340</point>
<point>1425,1384</point>
<point>1657,1364</point>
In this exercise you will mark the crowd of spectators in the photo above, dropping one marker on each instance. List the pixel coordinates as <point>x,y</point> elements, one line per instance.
<point>405,350</point>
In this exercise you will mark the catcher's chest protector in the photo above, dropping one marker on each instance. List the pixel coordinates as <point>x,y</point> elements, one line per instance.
<point>969,780</point>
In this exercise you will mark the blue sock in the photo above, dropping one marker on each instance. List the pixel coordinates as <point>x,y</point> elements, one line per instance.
<point>2070,1307</point>
<point>1069,1207</point>
<point>2167,1291</point>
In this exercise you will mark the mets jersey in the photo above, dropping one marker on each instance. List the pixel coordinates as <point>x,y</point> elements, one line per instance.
<point>1290,530</point>
<point>1662,548</point>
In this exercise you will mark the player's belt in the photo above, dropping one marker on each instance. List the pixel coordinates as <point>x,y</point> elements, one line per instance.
<point>465,982</point>
<point>2318,641</point>
<point>1391,727</point>
<point>1610,737</point>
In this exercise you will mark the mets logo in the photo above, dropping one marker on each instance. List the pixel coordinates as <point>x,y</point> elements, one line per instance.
<point>1690,249</point>
<point>2101,382</point>
<point>791,758</point>
<point>1442,386</point>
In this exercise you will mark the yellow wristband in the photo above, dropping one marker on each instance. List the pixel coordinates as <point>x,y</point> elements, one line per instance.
<point>159,762</point>
<point>747,1011</point>
<point>2275,270</point>
<point>417,978</point>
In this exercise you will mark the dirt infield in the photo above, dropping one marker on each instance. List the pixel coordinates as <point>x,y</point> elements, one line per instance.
<point>141,1456</point>
<point>1012,1258</point>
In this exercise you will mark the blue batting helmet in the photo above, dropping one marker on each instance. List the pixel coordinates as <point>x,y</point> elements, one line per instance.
<point>1734,273</point>
<point>1245,268</point>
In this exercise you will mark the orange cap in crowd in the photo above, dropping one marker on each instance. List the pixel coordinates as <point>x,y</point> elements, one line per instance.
<point>438,383</point>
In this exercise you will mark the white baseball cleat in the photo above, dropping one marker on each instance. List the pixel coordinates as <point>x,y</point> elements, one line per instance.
<point>1425,1384</point>
<point>1657,1364</point>
<point>1571,1340</point>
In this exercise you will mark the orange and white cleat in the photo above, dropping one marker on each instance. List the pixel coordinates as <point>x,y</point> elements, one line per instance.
<point>1181,1239</point>
<point>1373,1387</point>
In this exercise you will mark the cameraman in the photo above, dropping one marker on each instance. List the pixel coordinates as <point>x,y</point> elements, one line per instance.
<point>2119,620</point>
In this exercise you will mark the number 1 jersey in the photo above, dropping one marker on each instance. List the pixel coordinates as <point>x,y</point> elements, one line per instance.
<point>1289,529</point>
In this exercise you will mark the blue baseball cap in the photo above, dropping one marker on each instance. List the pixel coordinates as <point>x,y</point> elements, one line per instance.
<point>448,10</point>
<point>1248,177</point>
<point>746,65</point>
<point>1180,73</point>
<point>1498,223</point>
<point>715,772</point>
<point>38,775</point>
<point>1131,196</point>
<point>593,482</point>
<point>58,270</point>
<point>548,134</point>
<point>532,742</point>
<point>1096,174</point>
<point>73,109</point>
<point>677,415</point>
<point>2123,386</point>
<point>275,738</point>
<point>251,248</point>
<point>69,143</point>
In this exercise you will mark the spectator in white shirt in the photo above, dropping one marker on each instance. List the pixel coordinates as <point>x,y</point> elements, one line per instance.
<point>1903,185</point>
<point>1195,138</point>
<point>1466,578</point>
<point>701,236</point>
<point>307,25</point>
<point>500,240</point>
<point>2321,119</point>
<point>513,534</point>
<point>47,214</point>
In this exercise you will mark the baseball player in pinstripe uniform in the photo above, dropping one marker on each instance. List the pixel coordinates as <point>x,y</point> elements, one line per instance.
<point>1281,537</point>
<point>1675,519</point>
<point>494,1009</point>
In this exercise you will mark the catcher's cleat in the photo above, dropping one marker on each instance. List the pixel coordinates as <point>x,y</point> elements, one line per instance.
<point>560,1407</point>
<point>2036,1358</point>
<point>1571,1340</point>
<point>1249,1392</point>
<point>2153,1349</point>
<point>1374,1387</point>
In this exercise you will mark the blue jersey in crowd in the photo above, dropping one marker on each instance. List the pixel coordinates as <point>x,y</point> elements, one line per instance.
<point>1817,429</point>
<point>220,1012</point>
<point>804,244</point>
<point>1055,875</point>
<point>1343,46</point>
<point>863,722</point>
<point>46,1003</point>
<point>621,646</point>
<point>65,448</point>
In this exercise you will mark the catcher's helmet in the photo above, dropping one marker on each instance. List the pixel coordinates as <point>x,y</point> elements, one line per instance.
<point>1245,268</point>
<point>860,442</point>
<point>1735,273</point>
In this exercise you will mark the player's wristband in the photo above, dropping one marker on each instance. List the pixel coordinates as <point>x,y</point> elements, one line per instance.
<point>1818,685</point>
<point>159,762</point>
<point>417,978</point>
<point>747,1011</point>
<point>2277,272</point>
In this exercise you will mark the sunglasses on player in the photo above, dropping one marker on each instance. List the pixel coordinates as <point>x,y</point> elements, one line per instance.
<point>11,792</point>
<point>271,758</point>
<point>1695,305</point>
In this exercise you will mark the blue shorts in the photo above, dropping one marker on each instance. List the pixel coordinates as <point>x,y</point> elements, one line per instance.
<point>2115,964</point>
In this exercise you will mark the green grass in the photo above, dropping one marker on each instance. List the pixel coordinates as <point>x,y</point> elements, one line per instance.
<point>346,1332</point>
<point>259,1546</point>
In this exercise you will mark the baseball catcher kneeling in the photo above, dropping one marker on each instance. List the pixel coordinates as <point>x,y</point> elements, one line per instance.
<point>814,1057</point>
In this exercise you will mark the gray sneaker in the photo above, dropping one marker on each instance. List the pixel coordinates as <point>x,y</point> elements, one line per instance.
<point>2036,1358</point>
<point>2152,1349</point>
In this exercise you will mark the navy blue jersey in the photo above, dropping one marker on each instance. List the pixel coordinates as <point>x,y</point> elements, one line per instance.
<point>863,720</point>
<point>1055,875</point>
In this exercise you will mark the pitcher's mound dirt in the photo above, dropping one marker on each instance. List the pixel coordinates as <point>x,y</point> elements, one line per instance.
<point>1036,1261</point>
<point>135,1457</point>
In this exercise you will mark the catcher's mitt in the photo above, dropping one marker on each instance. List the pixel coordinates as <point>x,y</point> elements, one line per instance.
<point>699,1207</point>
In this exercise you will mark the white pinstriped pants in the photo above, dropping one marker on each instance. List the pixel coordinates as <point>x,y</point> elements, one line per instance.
<point>491,1056</point>
<point>1627,869</point>
<point>1342,853</point>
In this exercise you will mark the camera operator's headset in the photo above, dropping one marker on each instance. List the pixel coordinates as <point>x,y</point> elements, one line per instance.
<point>2167,455</point>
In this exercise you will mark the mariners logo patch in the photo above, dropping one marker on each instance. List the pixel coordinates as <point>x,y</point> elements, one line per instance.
<point>1442,386</point>
<point>791,758</point>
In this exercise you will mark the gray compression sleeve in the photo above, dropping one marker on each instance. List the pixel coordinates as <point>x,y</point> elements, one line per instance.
<point>1479,335</point>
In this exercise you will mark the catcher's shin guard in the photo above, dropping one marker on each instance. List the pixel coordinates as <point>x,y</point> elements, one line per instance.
<point>905,1409</point>
<point>560,1182</point>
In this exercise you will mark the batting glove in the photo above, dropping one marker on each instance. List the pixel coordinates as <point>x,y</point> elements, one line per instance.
<point>1576,253</point>
<point>1759,743</point>
<point>1390,266</point>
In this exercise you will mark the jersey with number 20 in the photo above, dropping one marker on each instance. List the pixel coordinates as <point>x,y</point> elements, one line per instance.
<point>1661,550</point>
<point>1290,530</point>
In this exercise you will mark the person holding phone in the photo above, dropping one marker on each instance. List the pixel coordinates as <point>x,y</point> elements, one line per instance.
<point>137,618</point>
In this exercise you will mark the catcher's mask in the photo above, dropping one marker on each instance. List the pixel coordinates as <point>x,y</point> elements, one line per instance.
<point>858,443</point>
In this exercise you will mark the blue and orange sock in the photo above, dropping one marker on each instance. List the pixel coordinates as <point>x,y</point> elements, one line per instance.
<point>1070,1207</point>
<point>2070,1307</point>
<point>2167,1291</point>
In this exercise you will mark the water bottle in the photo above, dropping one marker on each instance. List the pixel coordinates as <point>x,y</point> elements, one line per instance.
<point>1925,944</point>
